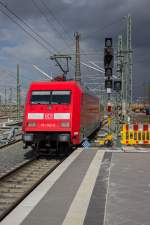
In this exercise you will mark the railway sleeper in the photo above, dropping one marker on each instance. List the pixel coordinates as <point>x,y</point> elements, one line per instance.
<point>3,208</point>
<point>19,186</point>
<point>11,190</point>
<point>6,201</point>
<point>25,175</point>
<point>15,181</point>
<point>11,195</point>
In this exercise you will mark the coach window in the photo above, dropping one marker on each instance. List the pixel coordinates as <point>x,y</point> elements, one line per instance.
<point>135,135</point>
<point>40,97</point>
<point>143,136</point>
<point>147,135</point>
<point>139,135</point>
<point>60,97</point>
<point>131,135</point>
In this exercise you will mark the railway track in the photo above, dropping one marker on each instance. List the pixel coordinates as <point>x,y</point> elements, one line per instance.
<point>19,138</point>
<point>17,184</point>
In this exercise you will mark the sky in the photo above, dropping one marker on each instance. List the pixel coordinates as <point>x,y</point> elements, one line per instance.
<point>46,27</point>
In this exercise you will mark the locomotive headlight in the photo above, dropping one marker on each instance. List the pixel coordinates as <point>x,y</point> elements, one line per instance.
<point>65,124</point>
<point>32,124</point>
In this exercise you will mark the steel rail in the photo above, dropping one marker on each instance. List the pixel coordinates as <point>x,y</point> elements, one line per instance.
<point>2,146</point>
<point>18,183</point>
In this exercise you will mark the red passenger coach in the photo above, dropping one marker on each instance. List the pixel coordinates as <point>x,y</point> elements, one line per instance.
<point>59,114</point>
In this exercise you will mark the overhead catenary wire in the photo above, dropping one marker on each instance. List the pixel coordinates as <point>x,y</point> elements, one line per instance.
<point>22,61</point>
<point>56,19</point>
<point>42,72</point>
<point>22,24</point>
<point>12,74</point>
<point>94,64</point>
<point>60,23</point>
<point>103,28</point>
<point>26,31</point>
<point>28,26</point>
<point>62,26</point>
<point>101,71</point>
<point>48,20</point>
<point>53,15</point>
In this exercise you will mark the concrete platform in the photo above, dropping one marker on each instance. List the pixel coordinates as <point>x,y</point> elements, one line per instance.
<point>128,200</point>
<point>91,187</point>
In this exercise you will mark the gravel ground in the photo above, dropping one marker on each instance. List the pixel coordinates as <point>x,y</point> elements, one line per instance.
<point>12,156</point>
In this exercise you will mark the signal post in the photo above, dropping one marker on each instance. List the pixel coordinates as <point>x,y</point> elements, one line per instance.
<point>108,66</point>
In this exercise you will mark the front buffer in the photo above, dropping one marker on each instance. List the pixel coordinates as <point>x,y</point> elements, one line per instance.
<point>48,141</point>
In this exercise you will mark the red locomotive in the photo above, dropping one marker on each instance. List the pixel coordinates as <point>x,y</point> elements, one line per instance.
<point>59,114</point>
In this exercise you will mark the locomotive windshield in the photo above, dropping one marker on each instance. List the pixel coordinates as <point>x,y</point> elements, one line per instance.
<point>40,97</point>
<point>50,97</point>
<point>60,97</point>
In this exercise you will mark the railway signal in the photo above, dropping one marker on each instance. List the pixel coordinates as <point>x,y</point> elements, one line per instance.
<point>108,58</point>
<point>108,42</point>
<point>109,108</point>
<point>117,85</point>
<point>108,84</point>
<point>108,54</point>
<point>108,72</point>
<point>108,64</point>
<point>148,111</point>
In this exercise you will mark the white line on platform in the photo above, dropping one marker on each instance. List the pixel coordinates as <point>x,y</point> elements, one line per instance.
<point>24,208</point>
<point>79,206</point>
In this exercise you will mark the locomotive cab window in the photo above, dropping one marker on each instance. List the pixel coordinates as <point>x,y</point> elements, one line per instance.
<point>40,97</point>
<point>60,97</point>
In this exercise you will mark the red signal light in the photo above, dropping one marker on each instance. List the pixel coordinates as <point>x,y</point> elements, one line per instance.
<point>109,109</point>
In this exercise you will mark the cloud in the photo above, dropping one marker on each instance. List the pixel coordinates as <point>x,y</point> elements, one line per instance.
<point>56,21</point>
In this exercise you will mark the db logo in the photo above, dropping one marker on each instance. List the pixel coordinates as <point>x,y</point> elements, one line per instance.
<point>48,116</point>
